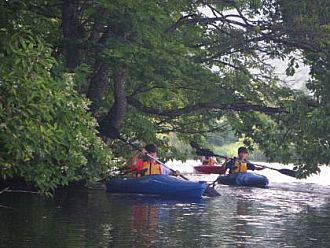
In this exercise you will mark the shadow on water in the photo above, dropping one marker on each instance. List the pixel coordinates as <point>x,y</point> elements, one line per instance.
<point>282,216</point>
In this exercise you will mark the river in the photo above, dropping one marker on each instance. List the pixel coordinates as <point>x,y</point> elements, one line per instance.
<point>290,213</point>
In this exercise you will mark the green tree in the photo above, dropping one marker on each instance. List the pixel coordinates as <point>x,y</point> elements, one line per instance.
<point>302,136</point>
<point>152,68</point>
<point>47,136</point>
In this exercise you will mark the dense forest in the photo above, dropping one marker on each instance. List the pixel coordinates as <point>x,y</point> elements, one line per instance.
<point>76,74</point>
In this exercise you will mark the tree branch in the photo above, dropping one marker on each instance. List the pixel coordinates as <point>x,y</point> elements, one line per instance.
<point>186,130</point>
<point>217,106</point>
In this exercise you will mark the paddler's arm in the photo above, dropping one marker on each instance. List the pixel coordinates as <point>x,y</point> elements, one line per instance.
<point>229,164</point>
<point>224,166</point>
<point>166,171</point>
<point>252,166</point>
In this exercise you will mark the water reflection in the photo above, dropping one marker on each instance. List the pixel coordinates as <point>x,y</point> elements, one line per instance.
<point>290,215</point>
<point>145,223</point>
<point>157,222</point>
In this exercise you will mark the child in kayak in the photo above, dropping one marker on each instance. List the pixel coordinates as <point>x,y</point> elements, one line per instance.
<point>241,164</point>
<point>145,165</point>
<point>207,160</point>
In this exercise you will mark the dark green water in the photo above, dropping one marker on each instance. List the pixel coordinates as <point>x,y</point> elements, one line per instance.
<point>289,215</point>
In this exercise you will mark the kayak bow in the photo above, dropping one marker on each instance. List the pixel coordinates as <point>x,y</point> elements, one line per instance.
<point>162,185</point>
<point>247,179</point>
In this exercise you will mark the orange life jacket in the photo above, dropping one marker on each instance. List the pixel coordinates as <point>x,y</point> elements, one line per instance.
<point>209,161</point>
<point>150,168</point>
<point>239,167</point>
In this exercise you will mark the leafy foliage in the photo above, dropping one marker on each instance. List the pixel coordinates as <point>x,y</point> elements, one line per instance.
<point>154,68</point>
<point>302,136</point>
<point>46,137</point>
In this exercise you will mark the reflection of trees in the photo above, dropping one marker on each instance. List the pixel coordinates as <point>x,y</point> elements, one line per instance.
<point>98,219</point>
<point>94,219</point>
<point>38,222</point>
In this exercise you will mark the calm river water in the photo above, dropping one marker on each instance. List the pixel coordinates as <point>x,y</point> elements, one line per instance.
<point>290,213</point>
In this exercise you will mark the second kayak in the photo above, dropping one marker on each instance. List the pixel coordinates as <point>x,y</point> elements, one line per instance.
<point>210,169</point>
<point>161,185</point>
<point>244,179</point>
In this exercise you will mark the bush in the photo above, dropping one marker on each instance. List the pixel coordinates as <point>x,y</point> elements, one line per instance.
<point>46,135</point>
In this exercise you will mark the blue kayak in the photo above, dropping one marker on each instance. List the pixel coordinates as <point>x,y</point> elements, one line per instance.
<point>247,179</point>
<point>162,185</point>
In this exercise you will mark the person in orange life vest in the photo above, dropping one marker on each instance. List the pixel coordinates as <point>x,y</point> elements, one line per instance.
<point>241,164</point>
<point>144,165</point>
<point>209,161</point>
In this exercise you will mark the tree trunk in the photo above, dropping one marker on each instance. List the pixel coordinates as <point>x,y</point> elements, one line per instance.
<point>99,81</point>
<point>98,86</point>
<point>73,33</point>
<point>110,124</point>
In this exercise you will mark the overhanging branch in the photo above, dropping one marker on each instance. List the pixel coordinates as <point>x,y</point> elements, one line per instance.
<point>216,106</point>
<point>196,19</point>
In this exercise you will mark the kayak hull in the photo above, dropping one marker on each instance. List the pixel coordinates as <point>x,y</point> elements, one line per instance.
<point>162,185</point>
<point>207,169</point>
<point>244,179</point>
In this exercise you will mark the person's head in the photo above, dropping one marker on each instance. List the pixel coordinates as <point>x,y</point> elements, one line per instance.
<point>151,149</point>
<point>243,152</point>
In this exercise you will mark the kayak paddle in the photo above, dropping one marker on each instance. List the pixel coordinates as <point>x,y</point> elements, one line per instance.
<point>286,172</point>
<point>210,192</point>
<point>207,152</point>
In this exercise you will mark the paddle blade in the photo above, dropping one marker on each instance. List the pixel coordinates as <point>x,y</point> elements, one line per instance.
<point>194,145</point>
<point>211,192</point>
<point>288,172</point>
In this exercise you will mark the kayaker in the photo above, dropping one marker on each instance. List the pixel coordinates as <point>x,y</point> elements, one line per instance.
<point>207,160</point>
<point>144,165</point>
<point>241,164</point>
